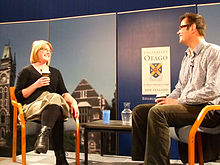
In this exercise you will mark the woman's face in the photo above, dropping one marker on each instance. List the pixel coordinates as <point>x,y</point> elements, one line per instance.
<point>44,54</point>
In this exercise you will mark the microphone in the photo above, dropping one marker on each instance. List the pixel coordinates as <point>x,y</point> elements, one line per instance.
<point>192,63</point>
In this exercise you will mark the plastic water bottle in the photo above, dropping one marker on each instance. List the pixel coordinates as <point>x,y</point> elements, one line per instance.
<point>126,114</point>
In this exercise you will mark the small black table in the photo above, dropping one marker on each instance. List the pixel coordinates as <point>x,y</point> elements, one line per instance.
<point>99,126</point>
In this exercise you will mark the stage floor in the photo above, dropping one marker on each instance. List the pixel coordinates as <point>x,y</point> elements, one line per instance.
<point>94,159</point>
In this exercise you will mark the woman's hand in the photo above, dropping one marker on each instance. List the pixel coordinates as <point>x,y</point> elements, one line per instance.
<point>72,103</point>
<point>74,109</point>
<point>43,81</point>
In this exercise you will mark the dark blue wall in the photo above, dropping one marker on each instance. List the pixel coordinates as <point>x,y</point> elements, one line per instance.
<point>20,10</point>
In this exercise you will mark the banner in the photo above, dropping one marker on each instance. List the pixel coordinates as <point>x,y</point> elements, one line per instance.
<point>155,70</point>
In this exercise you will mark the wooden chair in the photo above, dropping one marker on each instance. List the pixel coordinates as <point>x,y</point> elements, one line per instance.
<point>193,131</point>
<point>17,109</point>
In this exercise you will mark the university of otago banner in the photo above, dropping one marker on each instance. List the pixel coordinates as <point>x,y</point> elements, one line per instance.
<point>155,70</point>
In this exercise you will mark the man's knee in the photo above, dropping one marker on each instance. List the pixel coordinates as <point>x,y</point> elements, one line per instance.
<point>136,109</point>
<point>139,109</point>
<point>156,112</point>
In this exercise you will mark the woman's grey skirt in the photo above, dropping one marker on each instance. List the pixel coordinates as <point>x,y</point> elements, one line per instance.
<point>33,110</point>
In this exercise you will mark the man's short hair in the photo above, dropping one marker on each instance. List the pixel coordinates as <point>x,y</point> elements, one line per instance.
<point>196,19</point>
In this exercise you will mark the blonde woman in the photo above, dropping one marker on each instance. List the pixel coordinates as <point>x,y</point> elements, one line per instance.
<point>45,99</point>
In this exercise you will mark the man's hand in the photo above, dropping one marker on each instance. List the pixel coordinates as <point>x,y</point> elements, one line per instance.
<point>167,101</point>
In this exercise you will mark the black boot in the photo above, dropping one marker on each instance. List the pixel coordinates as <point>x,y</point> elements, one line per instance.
<point>42,143</point>
<point>60,157</point>
<point>57,139</point>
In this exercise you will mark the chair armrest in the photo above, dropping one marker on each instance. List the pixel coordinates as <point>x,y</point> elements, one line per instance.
<point>192,133</point>
<point>200,118</point>
<point>17,105</point>
<point>20,111</point>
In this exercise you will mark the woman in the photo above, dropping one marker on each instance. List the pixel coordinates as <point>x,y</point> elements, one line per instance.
<point>45,99</point>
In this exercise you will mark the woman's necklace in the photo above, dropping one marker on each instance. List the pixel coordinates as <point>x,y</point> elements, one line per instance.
<point>40,68</point>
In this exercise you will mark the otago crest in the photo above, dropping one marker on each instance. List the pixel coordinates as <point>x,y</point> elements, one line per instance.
<point>155,69</point>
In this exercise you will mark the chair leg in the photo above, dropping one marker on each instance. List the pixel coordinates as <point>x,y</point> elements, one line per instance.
<point>23,136</point>
<point>200,150</point>
<point>77,143</point>
<point>23,142</point>
<point>14,142</point>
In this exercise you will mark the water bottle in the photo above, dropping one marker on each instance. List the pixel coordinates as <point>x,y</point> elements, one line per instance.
<point>126,114</point>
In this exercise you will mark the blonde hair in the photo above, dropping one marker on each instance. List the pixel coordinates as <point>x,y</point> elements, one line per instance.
<point>36,47</point>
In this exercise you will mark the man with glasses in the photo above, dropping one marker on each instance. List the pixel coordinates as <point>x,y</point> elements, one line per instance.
<point>196,87</point>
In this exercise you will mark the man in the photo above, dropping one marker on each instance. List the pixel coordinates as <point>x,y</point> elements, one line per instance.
<point>196,87</point>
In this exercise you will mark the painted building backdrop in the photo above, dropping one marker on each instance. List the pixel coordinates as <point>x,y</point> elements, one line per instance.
<point>84,50</point>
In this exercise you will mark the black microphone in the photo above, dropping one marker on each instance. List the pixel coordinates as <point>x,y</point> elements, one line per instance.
<point>192,63</point>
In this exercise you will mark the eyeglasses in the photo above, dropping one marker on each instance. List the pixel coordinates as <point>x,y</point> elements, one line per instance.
<point>182,26</point>
<point>46,50</point>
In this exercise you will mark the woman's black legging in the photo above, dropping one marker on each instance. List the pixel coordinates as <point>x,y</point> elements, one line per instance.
<point>50,115</point>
